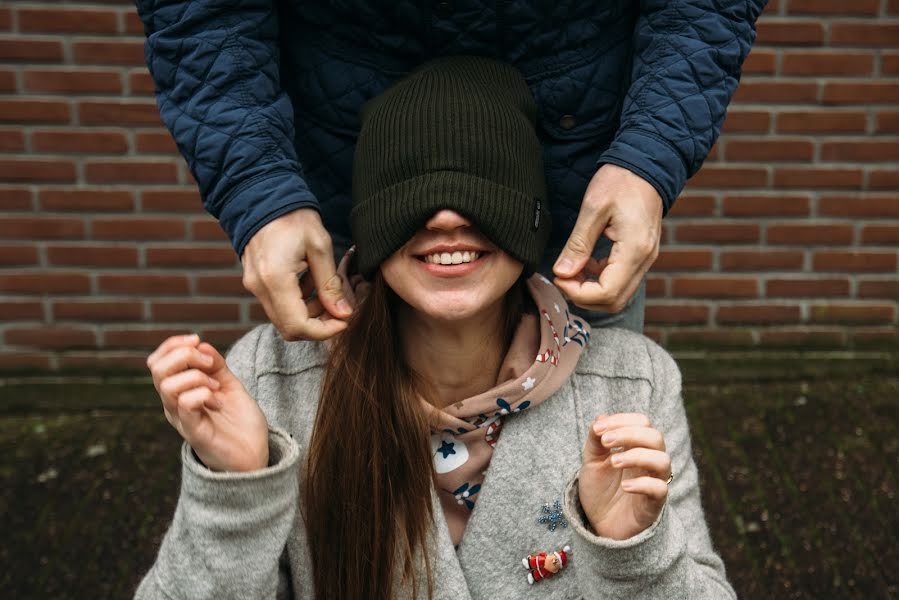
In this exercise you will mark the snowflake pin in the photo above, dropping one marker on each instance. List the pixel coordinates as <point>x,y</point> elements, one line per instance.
<point>552,516</point>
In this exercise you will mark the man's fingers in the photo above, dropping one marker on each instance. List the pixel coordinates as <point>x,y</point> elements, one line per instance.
<point>616,283</point>
<point>288,311</point>
<point>328,283</point>
<point>589,226</point>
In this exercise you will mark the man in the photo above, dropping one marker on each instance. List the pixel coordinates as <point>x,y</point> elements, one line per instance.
<point>263,99</point>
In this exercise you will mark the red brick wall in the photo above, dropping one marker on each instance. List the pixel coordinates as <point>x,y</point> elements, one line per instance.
<point>787,237</point>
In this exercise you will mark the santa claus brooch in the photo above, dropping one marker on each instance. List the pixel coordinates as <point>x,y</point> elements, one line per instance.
<point>545,564</point>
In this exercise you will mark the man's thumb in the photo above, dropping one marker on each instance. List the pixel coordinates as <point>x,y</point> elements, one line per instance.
<point>575,254</point>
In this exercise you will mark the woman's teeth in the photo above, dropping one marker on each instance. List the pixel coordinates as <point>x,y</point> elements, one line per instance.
<point>456,258</point>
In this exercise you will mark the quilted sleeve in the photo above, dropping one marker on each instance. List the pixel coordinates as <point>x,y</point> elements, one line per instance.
<point>216,68</point>
<point>688,56</point>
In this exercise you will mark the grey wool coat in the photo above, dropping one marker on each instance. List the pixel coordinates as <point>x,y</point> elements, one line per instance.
<point>242,535</point>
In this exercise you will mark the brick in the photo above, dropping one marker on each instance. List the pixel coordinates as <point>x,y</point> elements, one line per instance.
<point>191,256</point>
<point>7,80</point>
<point>60,20</point>
<point>818,177</point>
<point>141,284</point>
<point>861,150</point>
<point>130,171</point>
<point>137,228</point>
<point>829,234</point>
<point>833,7</point>
<point>180,201</point>
<point>44,283</point>
<point>132,23</point>
<point>710,338</point>
<point>852,313</point>
<point>893,7</point>
<point>223,337</point>
<point>876,338</point>
<point>189,312</point>
<point>134,338</point>
<point>879,288</point>
<point>113,52</point>
<point>693,206</point>
<point>880,234</point>
<point>889,63</point>
<point>718,233</point>
<point>683,260</point>
<point>21,110</point>
<point>15,198</point>
<point>120,310</point>
<point>807,288</point>
<point>17,256</point>
<point>883,179</point>
<point>69,81</point>
<point>887,121</point>
<point>817,64</point>
<point>861,33</point>
<point>5,19</point>
<point>768,149</point>
<point>140,83</point>
<point>50,337</point>
<point>79,142</point>
<point>17,310</point>
<point>822,122</point>
<point>802,338</point>
<point>860,92</point>
<point>92,256</point>
<point>677,314</point>
<point>12,140</point>
<point>131,112</point>
<point>758,314</point>
<point>24,361</point>
<point>777,91</point>
<point>208,231</point>
<point>40,227</point>
<point>764,206</point>
<point>760,62</point>
<point>153,142</point>
<point>20,49</point>
<point>220,285</point>
<point>85,200</point>
<point>761,260</point>
<point>714,287</point>
<point>26,169</point>
<point>789,32</point>
<point>729,177</point>
<point>854,261</point>
<point>859,206</point>
<point>746,121</point>
<point>656,287</point>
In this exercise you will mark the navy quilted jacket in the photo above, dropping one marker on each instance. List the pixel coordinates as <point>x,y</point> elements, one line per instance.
<point>262,96</point>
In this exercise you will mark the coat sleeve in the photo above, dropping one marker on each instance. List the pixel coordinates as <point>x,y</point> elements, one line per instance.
<point>215,64</point>
<point>229,532</point>
<point>688,58</point>
<point>673,557</point>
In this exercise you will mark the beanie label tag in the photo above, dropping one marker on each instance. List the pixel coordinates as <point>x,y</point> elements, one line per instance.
<point>536,213</point>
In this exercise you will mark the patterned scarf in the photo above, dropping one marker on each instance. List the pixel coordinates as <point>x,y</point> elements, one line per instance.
<point>543,353</point>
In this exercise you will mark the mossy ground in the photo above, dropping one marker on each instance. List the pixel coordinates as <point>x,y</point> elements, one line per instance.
<point>798,461</point>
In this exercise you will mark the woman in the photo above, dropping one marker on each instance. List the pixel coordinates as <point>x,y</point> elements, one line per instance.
<point>464,437</point>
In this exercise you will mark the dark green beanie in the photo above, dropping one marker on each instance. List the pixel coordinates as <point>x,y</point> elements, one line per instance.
<point>458,132</point>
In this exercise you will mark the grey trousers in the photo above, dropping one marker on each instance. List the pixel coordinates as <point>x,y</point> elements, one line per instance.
<point>631,317</point>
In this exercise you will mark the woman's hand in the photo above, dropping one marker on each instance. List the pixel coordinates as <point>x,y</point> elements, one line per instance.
<point>623,492</point>
<point>208,405</point>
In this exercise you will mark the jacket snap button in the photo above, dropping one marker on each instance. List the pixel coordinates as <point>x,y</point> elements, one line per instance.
<point>567,122</point>
<point>444,9</point>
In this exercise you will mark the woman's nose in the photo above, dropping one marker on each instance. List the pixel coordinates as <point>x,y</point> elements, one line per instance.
<point>446,220</point>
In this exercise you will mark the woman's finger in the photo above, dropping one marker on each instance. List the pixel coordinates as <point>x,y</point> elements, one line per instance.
<point>191,405</point>
<point>652,487</point>
<point>655,462</point>
<point>605,423</point>
<point>170,344</point>
<point>171,387</point>
<point>180,359</point>
<point>629,436</point>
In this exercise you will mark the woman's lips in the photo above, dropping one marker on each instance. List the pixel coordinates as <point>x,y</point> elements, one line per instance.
<point>458,270</point>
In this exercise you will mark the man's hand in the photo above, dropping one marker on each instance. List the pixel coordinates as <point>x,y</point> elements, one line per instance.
<point>628,210</point>
<point>272,260</point>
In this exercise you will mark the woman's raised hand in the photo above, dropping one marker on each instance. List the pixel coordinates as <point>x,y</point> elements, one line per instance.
<point>623,492</point>
<point>208,405</point>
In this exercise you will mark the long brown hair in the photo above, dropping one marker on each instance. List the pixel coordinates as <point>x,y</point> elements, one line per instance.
<point>367,486</point>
